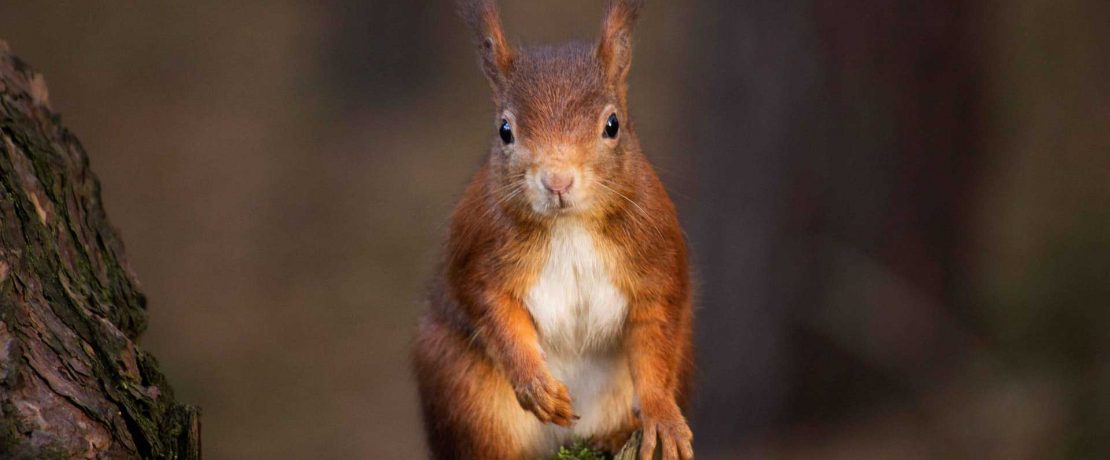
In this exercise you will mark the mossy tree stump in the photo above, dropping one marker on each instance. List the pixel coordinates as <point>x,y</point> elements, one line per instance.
<point>73,383</point>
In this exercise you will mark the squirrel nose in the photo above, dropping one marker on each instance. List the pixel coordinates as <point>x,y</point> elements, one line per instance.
<point>558,182</point>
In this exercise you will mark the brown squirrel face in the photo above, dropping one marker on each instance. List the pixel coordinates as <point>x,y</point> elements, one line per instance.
<point>562,133</point>
<point>564,146</point>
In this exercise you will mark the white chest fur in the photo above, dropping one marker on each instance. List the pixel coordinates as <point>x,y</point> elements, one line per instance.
<point>579,314</point>
<point>574,302</point>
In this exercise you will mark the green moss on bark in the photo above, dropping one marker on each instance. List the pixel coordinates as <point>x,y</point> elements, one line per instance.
<point>73,383</point>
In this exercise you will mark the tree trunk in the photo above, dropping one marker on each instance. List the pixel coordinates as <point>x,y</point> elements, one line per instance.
<point>73,383</point>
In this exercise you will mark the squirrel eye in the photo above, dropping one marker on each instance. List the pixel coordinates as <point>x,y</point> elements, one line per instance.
<point>612,126</point>
<point>506,132</point>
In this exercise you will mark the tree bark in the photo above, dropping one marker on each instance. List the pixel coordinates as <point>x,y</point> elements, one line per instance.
<point>73,382</point>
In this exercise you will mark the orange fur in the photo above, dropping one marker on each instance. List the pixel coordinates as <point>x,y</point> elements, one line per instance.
<point>480,359</point>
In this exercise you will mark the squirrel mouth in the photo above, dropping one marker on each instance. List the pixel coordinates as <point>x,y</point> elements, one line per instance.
<point>563,203</point>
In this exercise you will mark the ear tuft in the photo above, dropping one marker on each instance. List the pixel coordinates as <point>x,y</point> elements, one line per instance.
<point>615,48</point>
<point>484,21</point>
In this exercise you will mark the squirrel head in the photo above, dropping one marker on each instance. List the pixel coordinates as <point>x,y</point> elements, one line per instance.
<point>562,135</point>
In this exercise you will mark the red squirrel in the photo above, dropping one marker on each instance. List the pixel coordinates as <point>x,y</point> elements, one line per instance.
<point>562,311</point>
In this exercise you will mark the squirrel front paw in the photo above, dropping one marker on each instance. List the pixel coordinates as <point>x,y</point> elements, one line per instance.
<point>674,435</point>
<point>545,397</point>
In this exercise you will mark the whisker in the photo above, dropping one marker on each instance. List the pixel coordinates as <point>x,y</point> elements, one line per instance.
<point>641,212</point>
<point>622,196</point>
<point>513,189</point>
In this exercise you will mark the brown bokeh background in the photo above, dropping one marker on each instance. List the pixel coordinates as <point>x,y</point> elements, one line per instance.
<point>898,209</point>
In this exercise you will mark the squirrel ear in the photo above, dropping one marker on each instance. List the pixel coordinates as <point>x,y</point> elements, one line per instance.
<point>497,56</point>
<point>615,49</point>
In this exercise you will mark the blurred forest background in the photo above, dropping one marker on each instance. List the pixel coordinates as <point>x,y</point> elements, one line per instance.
<point>899,210</point>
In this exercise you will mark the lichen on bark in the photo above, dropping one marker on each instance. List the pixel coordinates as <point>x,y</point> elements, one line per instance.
<point>73,382</point>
